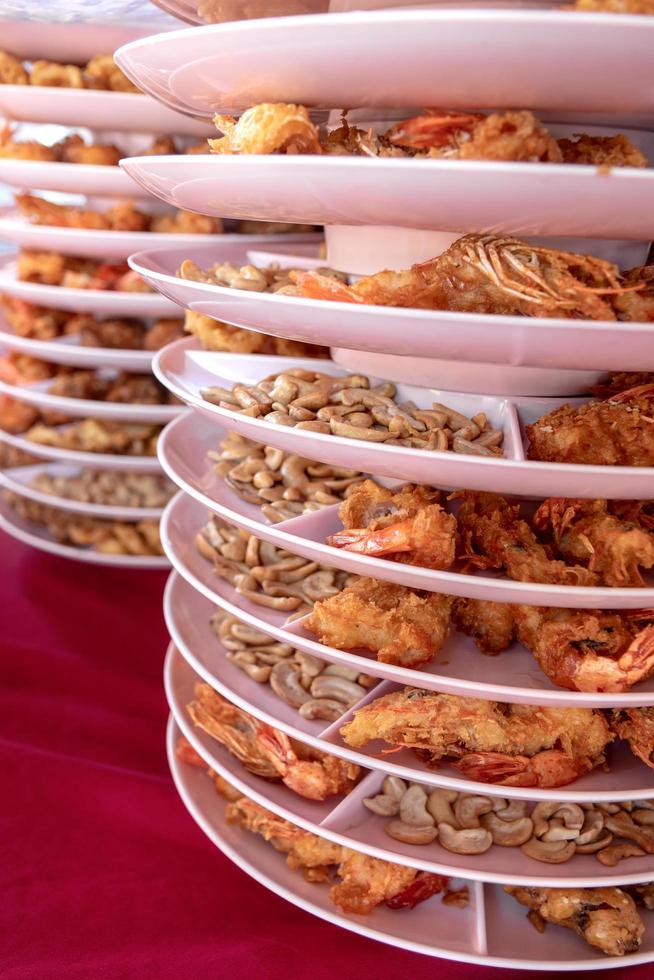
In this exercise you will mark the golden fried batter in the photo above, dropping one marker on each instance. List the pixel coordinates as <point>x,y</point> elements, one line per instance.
<point>602,151</point>
<point>163,332</point>
<point>606,918</point>
<point>490,624</point>
<point>102,72</point>
<point>401,626</point>
<point>507,744</point>
<point>267,128</point>
<point>636,725</point>
<point>12,71</point>
<point>517,136</point>
<point>99,436</point>
<point>53,75</point>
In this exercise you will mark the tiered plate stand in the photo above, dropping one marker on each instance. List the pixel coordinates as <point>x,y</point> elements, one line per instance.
<point>130,121</point>
<point>388,213</point>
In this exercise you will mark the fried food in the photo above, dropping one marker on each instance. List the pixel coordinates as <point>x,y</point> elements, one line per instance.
<point>74,272</point>
<point>493,535</point>
<point>616,6</point>
<point>11,149</point>
<point>588,650</point>
<point>109,537</point>
<point>398,625</point>
<point>99,436</point>
<point>12,71</point>
<point>490,624</point>
<point>636,725</point>
<point>616,432</point>
<point>21,369</point>
<point>123,216</point>
<point>115,332</point>
<point>163,332</point>
<point>269,753</point>
<point>606,918</point>
<point>186,223</point>
<point>506,744</point>
<point>28,320</point>
<point>585,532</point>
<point>602,151</point>
<point>490,274</point>
<point>219,336</point>
<point>267,128</point>
<point>73,149</point>
<point>16,416</point>
<point>403,525</point>
<point>54,75</point>
<point>102,72</point>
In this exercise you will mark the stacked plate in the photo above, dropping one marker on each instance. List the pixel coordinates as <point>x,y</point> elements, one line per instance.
<point>251,645</point>
<point>73,274</point>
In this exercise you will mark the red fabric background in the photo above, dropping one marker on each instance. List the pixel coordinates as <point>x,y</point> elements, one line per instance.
<point>103,875</point>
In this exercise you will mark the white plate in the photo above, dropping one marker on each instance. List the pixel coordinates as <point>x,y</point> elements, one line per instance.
<point>67,350</point>
<point>19,480</point>
<point>36,394</point>
<point>96,110</point>
<point>67,41</point>
<point>101,302</point>
<point>90,461</point>
<point>419,334</point>
<point>523,199</point>
<point>70,178</point>
<point>37,537</point>
<point>486,932</point>
<point>459,668</point>
<point>404,58</point>
<point>346,821</point>
<point>94,243</point>
<point>187,371</point>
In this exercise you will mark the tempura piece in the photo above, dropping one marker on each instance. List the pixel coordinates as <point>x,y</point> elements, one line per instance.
<point>102,72</point>
<point>588,650</point>
<point>11,149</point>
<point>506,744</point>
<point>163,332</point>
<point>490,624</point>
<point>606,918</point>
<point>186,223</point>
<point>636,725</point>
<point>12,71</point>
<point>267,128</point>
<point>602,151</point>
<point>73,149</point>
<point>53,75</point>
<point>398,625</point>
<point>493,535</point>
<point>617,432</point>
<point>585,532</point>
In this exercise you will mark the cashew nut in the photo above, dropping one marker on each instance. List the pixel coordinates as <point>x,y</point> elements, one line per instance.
<point>643,817</point>
<point>591,829</point>
<point>472,840</point>
<point>411,833</point>
<point>550,852</point>
<point>338,688</point>
<point>438,804</point>
<point>569,815</point>
<point>615,853</point>
<point>285,682</point>
<point>603,839</point>
<point>621,825</point>
<point>468,808</point>
<point>394,786</point>
<point>507,833</point>
<point>511,810</point>
<point>413,807</point>
<point>383,805</point>
<point>323,708</point>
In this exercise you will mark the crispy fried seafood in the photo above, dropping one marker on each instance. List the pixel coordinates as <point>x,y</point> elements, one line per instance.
<point>74,272</point>
<point>507,744</point>
<point>398,625</point>
<point>616,432</point>
<point>514,135</point>
<point>72,149</point>
<point>119,217</point>
<point>490,624</point>
<point>216,335</point>
<point>636,725</point>
<point>101,72</point>
<point>269,753</point>
<point>584,531</point>
<point>616,6</point>
<point>493,535</point>
<point>365,882</point>
<point>606,918</point>
<point>588,650</point>
<point>488,274</point>
<point>406,525</point>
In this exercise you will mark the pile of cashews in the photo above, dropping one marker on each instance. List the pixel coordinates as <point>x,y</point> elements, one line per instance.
<point>548,831</point>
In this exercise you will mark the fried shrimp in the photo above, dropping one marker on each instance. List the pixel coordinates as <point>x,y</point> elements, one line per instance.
<point>268,753</point>
<point>606,918</point>
<point>402,524</point>
<point>585,532</point>
<point>490,624</point>
<point>602,151</point>
<point>588,650</point>
<point>492,535</point>
<point>636,725</point>
<point>489,274</point>
<point>616,432</point>
<point>506,744</point>
<point>397,624</point>
<point>267,128</point>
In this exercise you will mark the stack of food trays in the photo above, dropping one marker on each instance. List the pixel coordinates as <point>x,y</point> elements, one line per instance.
<point>78,328</point>
<point>355,723</point>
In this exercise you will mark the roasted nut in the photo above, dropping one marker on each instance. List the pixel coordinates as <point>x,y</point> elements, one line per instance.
<point>394,786</point>
<point>383,805</point>
<point>612,855</point>
<point>285,682</point>
<point>338,688</point>
<point>603,839</point>
<point>568,816</point>
<point>510,809</point>
<point>473,840</point>
<point>413,808</point>
<point>468,809</point>
<point>550,852</point>
<point>507,833</point>
<point>439,805</point>
<point>591,829</point>
<point>643,817</point>
<point>621,825</point>
<point>411,833</point>
<point>322,708</point>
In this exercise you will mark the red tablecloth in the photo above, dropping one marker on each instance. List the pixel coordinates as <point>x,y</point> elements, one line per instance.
<point>103,875</point>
